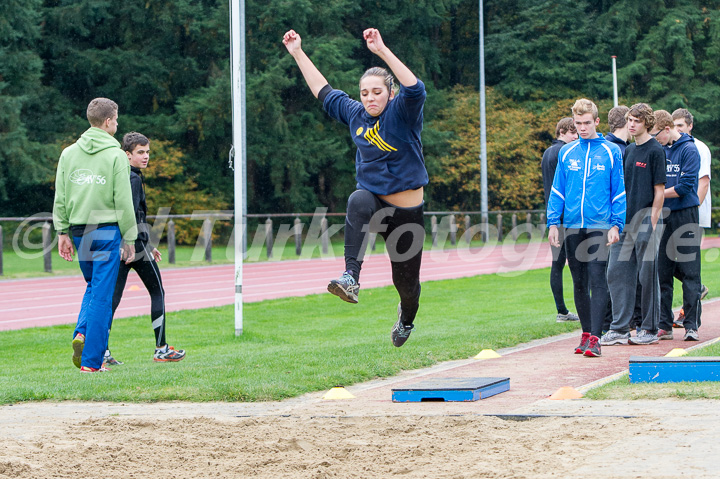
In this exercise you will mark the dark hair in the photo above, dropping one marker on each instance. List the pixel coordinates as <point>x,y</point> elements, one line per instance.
<point>565,125</point>
<point>99,110</point>
<point>133,139</point>
<point>617,117</point>
<point>382,73</point>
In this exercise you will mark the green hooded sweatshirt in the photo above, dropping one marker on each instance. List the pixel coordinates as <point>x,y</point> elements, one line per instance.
<point>92,185</point>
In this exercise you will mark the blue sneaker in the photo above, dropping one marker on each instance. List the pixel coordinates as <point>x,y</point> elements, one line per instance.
<point>345,287</point>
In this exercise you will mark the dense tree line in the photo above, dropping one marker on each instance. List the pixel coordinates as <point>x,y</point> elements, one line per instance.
<point>166,63</point>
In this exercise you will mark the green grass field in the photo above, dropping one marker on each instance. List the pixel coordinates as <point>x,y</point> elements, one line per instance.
<point>291,346</point>
<point>622,389</point>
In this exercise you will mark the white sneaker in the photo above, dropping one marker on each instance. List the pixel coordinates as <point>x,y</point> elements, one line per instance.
<point>564,318</point>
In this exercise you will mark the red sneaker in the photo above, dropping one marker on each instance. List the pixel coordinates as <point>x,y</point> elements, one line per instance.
<point>88,369</point>
<point>593,349</point>
<point>678,323</point>
<point>584,341</point>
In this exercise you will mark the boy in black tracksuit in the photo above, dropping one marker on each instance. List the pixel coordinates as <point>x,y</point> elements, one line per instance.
<point>137,148</point>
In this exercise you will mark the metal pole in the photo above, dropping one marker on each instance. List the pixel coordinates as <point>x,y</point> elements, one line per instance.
<point>237,80</point>
<point>483,144</point>
<point>614,70</point>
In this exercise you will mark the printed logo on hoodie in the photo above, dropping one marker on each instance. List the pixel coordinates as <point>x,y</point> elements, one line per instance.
<point>86,177</point>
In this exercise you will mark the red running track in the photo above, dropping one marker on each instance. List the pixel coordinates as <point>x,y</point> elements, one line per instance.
<point>50,301</point>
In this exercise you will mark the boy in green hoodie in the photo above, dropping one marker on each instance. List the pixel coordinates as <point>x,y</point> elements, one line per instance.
<point>93,203</point>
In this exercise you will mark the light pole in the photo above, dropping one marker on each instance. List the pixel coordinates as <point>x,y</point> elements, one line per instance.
<point>237,80</point>
<point>483,143</point>
<point>614,70</point>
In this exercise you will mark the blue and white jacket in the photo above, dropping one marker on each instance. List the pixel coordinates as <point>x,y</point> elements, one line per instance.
<point>588,190</point>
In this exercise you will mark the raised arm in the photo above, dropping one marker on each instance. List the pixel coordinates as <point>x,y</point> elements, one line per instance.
<point>376,45</point>
<point>315,80</point>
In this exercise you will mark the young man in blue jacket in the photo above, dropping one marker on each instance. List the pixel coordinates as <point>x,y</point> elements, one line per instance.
<point>588,193</point>
<point>680,244</point>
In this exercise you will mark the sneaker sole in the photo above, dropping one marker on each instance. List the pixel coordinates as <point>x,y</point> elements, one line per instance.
<point>77,346</point>
<point>340,293</point>
<point>678,325</point>
<point>665,338</point>
<point>691,339</point>
<point>617,342</point>
<point>642,344</point>
<point>567,320</point>
<point>168,360</point>
<point>589,354</point>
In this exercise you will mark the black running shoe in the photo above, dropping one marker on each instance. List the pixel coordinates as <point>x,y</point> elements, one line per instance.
<point>593,349</point>
<point>400,332</point>
<point>345,287</point>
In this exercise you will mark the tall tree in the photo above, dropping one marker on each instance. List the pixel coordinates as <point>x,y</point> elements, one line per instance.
<point>21,159</point>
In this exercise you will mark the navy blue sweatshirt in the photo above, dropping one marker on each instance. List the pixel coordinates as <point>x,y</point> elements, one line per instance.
<point>618,141</point>
<point>389,156</point>
<point>683,165</point>
<point>549,164</point>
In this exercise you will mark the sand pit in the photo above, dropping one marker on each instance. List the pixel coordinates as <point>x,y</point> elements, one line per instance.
<point>312,447</point>
<point>557,439</point>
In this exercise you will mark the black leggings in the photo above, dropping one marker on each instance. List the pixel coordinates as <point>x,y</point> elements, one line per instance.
<point>587,255</point>
<point>403,230</point>
<point>148,271</point>
<point>556,275</point>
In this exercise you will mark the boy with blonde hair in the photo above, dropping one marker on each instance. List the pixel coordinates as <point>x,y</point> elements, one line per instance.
<point>590,176</point>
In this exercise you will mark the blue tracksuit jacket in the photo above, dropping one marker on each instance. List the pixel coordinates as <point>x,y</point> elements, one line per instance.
<point>588,190</point>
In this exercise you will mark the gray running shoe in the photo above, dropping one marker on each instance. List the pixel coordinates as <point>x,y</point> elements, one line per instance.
<point>400,332</point>
<point>611,338</point>
<point>703,292</point>
<point>110,360</point>
<point>662,334</point>
<point>644,337</point>
<point>564,318</point>
<point>345,287</point>
<point>691,335</point>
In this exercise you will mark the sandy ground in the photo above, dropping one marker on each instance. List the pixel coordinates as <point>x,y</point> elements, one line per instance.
<point>572,438</point>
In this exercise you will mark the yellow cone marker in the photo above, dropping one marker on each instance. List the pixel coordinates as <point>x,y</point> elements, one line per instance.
<point>567,392</point>
<point>676,353</point>
<point>134,287</point>
<point>487,354</point>
<point>338,393</point>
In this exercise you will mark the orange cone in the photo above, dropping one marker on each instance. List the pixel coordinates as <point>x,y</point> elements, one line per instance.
<point>566,392</point>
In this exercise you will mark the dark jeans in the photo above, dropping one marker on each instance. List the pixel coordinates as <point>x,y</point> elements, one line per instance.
<point>556,273</point>
<point>99,257</point>
<point>587,258</point>
<point>680,254</point>
<point>633,261</point>
<point>149,273</point>
<point>403,230</point>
